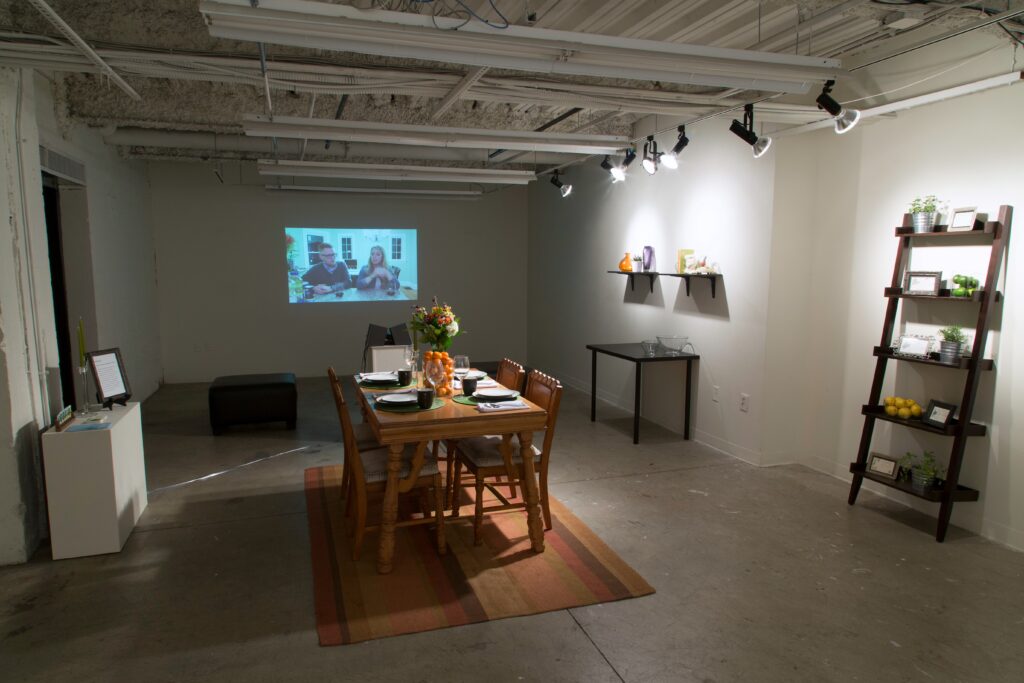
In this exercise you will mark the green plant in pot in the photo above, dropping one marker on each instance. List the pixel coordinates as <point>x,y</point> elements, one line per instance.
<point>924,211</point>
<point>951,346</point>
<point>924,470</point>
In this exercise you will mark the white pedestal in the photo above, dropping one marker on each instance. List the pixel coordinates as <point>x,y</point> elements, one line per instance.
<point>95,485</point>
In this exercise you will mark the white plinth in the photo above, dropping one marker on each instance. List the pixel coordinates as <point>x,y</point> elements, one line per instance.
<point>95,485</point>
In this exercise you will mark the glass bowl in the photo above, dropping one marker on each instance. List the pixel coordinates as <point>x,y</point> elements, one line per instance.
<point>674,345</point>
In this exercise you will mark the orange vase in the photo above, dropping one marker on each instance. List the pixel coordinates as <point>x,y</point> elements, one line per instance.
<point>626,264</point>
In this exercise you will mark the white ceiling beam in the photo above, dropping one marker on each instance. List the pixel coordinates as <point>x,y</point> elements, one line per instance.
<point>459,194</point>
<point>430,136</point>
<point>317,169</point>
<point>781,38</point>
<point>467,82</point>
<point>344,28</point>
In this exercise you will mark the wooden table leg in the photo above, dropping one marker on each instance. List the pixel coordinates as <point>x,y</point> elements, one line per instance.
<point>531,494</point>
<point>593,385</point>
<point>686,415</point>
<point>636,402</point>
<point>389,510</point>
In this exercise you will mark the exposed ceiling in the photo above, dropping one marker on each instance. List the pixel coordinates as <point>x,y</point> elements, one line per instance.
<point>195,89</point>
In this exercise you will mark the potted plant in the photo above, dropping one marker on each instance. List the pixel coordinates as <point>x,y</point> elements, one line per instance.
<point>923,469</point>
<point>923,212</point>
<point>950,348</point>
<point>638,266</point>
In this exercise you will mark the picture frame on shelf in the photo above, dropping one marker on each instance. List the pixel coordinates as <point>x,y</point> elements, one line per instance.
<point>883,466</point>
<point>111,381</point>
<point>962,219</point>
<point>922,282</point>
<point>938,414</point>
<point>914,346</point>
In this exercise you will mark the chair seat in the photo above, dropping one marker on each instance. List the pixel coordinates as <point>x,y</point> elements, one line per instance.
<point>375,464</point>
<point>365,439</point>
<point>485,451</point>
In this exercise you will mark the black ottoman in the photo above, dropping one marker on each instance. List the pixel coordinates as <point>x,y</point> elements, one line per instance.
<point>241,399</point>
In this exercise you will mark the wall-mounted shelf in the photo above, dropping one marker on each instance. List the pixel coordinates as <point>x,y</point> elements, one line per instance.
<point>649,274</point>
<point>713,277</point>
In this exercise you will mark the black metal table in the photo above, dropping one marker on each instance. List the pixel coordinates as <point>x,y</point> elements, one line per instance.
<point>633,352</point>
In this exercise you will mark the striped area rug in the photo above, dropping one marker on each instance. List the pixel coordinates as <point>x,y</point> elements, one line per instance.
<point>501,578</point>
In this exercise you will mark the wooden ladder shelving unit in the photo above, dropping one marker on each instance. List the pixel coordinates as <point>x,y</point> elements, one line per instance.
<point>998,232</point>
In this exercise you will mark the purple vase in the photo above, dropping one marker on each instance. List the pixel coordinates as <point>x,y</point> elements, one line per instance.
<point>649,262</point>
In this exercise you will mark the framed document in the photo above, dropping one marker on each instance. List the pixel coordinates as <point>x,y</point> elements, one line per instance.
<point>881,465</point>
<point>939,414</point>
<point>914,345</point>
<point>962,220</point>
<point>922,282</point>
<point>108,372</point>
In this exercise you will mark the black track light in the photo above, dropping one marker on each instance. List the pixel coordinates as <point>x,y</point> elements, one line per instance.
<point>670,159</point>
<point>745,131</point>
<point>651,155</point>
<point>564,188</point>
<point>618,172</point>
<point>845,118</point>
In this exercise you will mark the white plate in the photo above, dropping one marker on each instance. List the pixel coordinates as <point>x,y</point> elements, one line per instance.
<point>495,394</point>
<point>380,377</point>
<point>397,399</point>
<point>476,374</point>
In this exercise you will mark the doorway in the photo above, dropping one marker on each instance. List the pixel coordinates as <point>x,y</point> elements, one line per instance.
<point>58,285</point>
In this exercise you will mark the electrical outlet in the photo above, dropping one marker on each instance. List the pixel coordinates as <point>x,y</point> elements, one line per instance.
<point>714,393</point>
<point>745,403</point>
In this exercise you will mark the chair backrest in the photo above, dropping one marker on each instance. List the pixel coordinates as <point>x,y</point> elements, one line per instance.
<point>400,334</point>
<point>546,392</point>
<point>348,433</point>
<point>510,374</point>
<point>384,358</point>
<point>376,335</point>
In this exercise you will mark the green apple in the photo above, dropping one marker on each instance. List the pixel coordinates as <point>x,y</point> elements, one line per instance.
<point>959,291</point>
<point>973,283</point>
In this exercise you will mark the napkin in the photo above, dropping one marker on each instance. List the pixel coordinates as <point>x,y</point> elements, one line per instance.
<point>359,375</point>
<point>502,405</point>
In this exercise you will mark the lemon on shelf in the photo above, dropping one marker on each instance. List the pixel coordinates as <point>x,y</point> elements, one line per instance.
<point>891,411</point>
<point>904,408</point>
<point>915,411</point>
<point>889,400</point>
<point>904,413</point>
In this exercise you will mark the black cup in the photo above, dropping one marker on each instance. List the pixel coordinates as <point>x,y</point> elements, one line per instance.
<point>405,377</point>
<point>425,398</point>
<point>468,386</point>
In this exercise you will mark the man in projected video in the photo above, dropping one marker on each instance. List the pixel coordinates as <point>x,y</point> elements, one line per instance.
<point>328,275</point>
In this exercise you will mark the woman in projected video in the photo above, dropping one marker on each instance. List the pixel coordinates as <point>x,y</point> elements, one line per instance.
<point>376,274</point>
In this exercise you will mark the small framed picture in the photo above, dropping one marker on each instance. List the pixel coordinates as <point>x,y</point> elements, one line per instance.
<point>962,220</point>
<point>914,345</point>
<point>939,414</point>
<point>886,467</point>
<point>922,282</point>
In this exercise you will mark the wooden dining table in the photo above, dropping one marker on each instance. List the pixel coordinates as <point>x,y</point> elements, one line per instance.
<point>451,421</point>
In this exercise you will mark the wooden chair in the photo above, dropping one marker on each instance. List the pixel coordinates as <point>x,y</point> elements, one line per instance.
<point>482,455</point>
<point>365,472</point>
<point>365,438</point>
<point>510,375</point>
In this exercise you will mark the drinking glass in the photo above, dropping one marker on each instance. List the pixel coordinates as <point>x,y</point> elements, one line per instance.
<point>433,372</point>
<point>461,366</point>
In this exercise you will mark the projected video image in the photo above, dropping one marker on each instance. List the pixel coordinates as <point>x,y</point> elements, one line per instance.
<point>339,265</point>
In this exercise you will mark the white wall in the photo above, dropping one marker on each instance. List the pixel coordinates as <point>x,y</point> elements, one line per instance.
<point>223,293</point>
<point>120,265</point>
<point>859,185</point>
<point>719,202</point>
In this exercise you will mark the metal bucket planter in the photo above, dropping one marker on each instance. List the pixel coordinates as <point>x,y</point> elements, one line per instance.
<point>921,482</point>
<point>924,222</point>
<point>949,352</point>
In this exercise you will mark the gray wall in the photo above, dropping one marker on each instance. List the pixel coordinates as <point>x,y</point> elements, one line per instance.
<point>223,292</point>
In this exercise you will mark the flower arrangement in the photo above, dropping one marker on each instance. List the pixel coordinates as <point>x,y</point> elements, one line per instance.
<point>438,325</point>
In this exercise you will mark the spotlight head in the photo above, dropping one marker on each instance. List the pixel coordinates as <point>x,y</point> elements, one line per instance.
<point>670,159</point>
<point>606,165</point>
<point>826,102</point>
<point>564,188</point>
<point>847,120</point>
<point>618,174</point>
<point>741,131</point>
<point>651,155</point>
<point>630,158</point>
<point>761,146</point>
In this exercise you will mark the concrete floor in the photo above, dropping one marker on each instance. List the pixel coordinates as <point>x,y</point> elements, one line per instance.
<point>761,574</point>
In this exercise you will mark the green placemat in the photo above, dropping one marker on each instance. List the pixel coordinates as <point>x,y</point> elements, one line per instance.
<point>407,409</point>
<point>471,401</point>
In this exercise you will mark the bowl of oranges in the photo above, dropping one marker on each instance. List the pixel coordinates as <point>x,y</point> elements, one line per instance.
<point>903,408</point>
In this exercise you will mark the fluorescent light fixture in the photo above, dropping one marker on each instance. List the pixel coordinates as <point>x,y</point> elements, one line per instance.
<point>745,131</point>
<point>670,159</point>
<point>845,118</point>
<point>437,174</point>
<point>430,136</point>
<point>343,28</point>
<point>454,194</point>
<point>650,162</point>
<point>564,188</point>
<point>1011,78</point>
